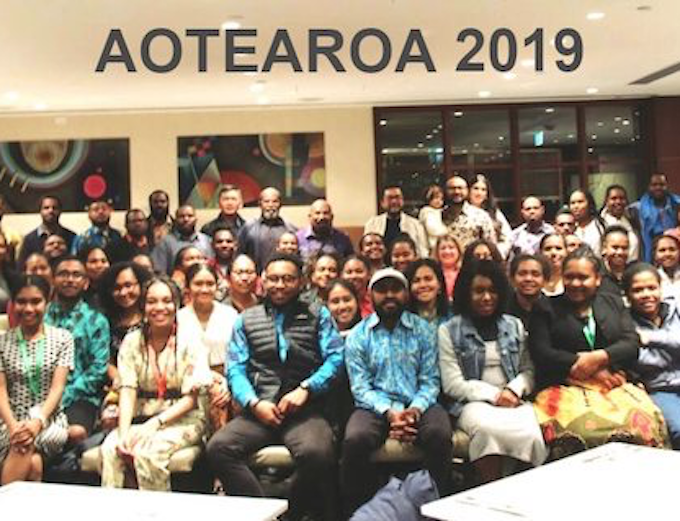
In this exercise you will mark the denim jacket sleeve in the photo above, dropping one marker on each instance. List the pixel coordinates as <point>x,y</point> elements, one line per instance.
<point>454,383</point>
<point>523,383</point>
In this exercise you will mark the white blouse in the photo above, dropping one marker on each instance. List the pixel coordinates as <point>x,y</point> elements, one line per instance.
<point>215,337</point>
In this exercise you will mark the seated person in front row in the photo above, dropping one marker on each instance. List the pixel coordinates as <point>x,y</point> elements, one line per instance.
<point>84,389</point>
<point>34,363</point>
<point>487,372</point>
<point>284,356</point>
<point>159,383</point>
<point>391,359</point>
<point>584,344</point>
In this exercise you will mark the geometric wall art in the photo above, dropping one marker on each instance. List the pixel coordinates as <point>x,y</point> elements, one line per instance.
<point>75,170</point>
<point>292,162</point>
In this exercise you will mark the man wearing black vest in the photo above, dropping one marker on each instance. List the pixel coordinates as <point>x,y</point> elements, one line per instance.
<point>283,357</point>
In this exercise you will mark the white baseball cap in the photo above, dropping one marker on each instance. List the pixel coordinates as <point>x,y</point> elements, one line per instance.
<point>387,273</point>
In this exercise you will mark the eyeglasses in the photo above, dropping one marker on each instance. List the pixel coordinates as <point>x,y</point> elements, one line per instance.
<point>288,280</point>
<point>75,275</point>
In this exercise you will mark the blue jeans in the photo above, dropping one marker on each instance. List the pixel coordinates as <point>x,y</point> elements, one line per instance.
<point>669,403</point>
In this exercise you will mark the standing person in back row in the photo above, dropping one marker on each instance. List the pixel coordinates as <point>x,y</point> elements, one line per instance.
<point>526,238</point>
<point>101,233</point>
<point>183,234</point>
<point>231,201</point>
<point>393,222</point>
<point>320,236</point>
<point>50,212</point>
<point>464,221</point>
<point>160,221</point>
<point>655,212</point>
<point>259,238</point>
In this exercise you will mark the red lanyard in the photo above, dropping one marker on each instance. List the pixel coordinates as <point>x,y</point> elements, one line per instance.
<point>161,378</point>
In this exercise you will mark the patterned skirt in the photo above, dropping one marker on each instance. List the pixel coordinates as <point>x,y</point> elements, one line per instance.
<point>576,418</point>
<point>49,442</point>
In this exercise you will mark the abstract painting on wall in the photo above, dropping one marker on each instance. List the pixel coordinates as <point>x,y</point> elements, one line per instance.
<point>293,163</point>
<point>77,171</point>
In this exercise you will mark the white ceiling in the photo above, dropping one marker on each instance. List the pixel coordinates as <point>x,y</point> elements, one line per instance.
<point>49,50</point>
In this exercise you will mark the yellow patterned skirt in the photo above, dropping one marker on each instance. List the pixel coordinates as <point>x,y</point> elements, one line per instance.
<point>575,418</point>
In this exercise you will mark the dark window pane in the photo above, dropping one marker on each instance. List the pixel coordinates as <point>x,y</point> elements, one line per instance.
<point>551,184</point>
<point>547,135</point>
<point>479,138</point>
<point>615,154</point>
<point>411,152</point>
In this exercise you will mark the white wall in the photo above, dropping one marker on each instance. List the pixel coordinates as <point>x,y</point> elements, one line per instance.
<point>349,141</point>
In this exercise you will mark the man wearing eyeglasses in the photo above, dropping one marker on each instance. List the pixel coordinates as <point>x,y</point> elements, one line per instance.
<point>90,329</point>
<point>284,356</point>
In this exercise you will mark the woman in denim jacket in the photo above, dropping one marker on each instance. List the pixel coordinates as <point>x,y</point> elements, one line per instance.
<point>486,372</point>
<point>658,325</point>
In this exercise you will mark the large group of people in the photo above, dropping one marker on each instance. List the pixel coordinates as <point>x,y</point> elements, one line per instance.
<point>536,342</point>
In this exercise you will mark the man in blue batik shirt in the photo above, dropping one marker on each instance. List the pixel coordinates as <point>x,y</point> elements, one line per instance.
<point>392,364</point>
<point>283,358</point>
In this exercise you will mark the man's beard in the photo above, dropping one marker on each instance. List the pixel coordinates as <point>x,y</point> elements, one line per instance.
<point>387,314</point>
<point>160,214</point>
<point>322,228</point>
<point>270,215</point>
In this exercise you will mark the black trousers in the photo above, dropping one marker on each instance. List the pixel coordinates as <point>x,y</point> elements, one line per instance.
<point>366,431</point>
<point>308,437</point>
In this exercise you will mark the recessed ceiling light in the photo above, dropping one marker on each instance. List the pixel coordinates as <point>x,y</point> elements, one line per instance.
<point>428,136</point>
<point>592,90</point>
<point>383,122</point>
<point>435,131</point>
<point>617,130</point>
<point>484,93</point>
<point>476,145</point>
<point>420,145</point>
<point>556,140</point>
<point>501,138</point>
<point>549,110</point>
<point>625,122</point>
<point>509,76</point>
<point>464,151</point>
<point>600,123</point>
<point>40,106</point>
<point>590,150</point>
<point>440,125</point>
<point>458,114</point>
<point>570,136</point>
<point>231,25</point>
<point>594,137</point>
<point>439,150</point>
<point>528,64</point>
<point>597,15</point>
<point>384,151</point>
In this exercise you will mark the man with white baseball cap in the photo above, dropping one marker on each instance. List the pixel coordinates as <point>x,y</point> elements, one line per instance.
<point>391,359</point>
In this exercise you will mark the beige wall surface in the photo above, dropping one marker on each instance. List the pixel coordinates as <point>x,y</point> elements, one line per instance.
<point>349,141</point>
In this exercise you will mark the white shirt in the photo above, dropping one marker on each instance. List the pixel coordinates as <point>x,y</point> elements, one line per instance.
<point>215,337</point>
<point>591,235</point>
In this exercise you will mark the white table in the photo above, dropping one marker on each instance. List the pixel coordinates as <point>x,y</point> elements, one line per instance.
<point>614,481</point>
<point>49,502</point>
